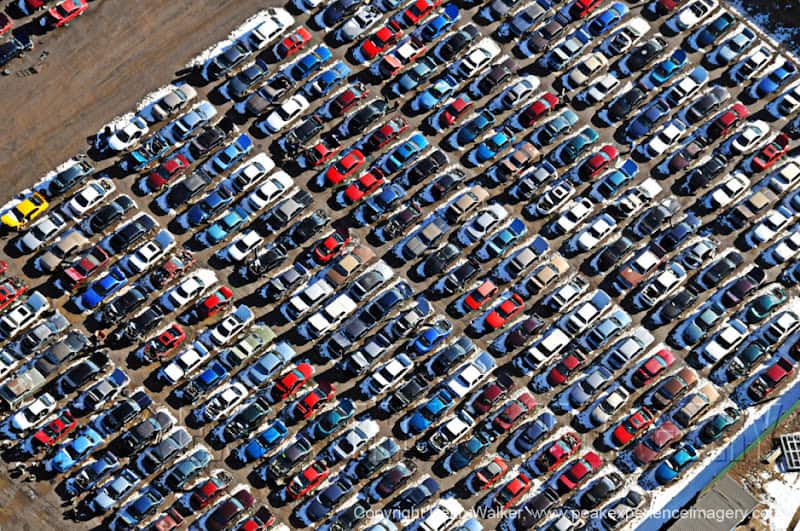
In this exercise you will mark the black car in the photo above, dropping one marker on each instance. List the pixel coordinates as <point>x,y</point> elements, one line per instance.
<point>302,133</point>
<point>541,39</point>
<point>457,42</point>
<point>141,324</point>
<point>721,269</point>
<point>625,103</point>
<point>378,309</point>
<point>294,454</point>
<point>164,452</point>
<point>446,183</point>
<point>180,193</point>
<point>225,62</point>
<point>401,221</point>
<point>704,174</point>
<point>413,497</point>
<point>460,276</point>
<point>495,77</point>
<point>83,372</point>
<point>438,261</point>
<point>376,457</point>
<point>15,48</point>
<point>145,432</point>
<point>130,233</point>
<point>366,116</point>
<point>611,254</point>
<point>675,305</point>
<point>67,179</point>
<point>351,516</point>
<point>117,309</point>
<point>303,231</point>
<point>408,393</point>
<point>329,498</point>
<point>643,55</point>
<point>706,104</point>
<point>265,259</point>
<point>210,138</point>
<point>450,356</point>
<point>247,78</point>
<point>426,167</point>
<point>280,285</point>
<point>339,10</point>
<point>109,214</point>
<point>535,509</point>
<point>56,354</point>
<point>602,490</point>
<point>125,411</point>
<point>366,283</point>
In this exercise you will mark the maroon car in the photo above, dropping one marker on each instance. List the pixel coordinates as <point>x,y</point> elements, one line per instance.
<point>656,442</point>
<point>230,510</point>
<point>514,411</point>
<point>84,267</point>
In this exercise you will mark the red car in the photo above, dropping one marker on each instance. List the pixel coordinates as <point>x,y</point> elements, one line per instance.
<point>314,400</point>
<point>419,10</point>
<point>262,520</point>
<point>512,491</point>
<point>386,133</point>
<point>458,108</point>
<point>321,153</point>
<point>208,492</point>
<point>10,290</point>
<point>230,510</point>
<point>581,8</point>
<point>480,295</point>
<point>5,23</point>
<point>652,368</point>
<point>215,303</point>
<point>580,471</point>
<point>65,12</point>
<point>347,100</point>
<point>565,368</point>
<point>537,109</point>
<point>514,411</point>
<point>507,310</point>
<point>345,167</point>
<point>557,452</point>
<point>598,163</point>
<point>307,480</point>
<point>364,186</point>
<point>166,171</point>
<point>331,247</point>
<point>489,474</point>
<point>727,121</point>
<point>629,428</point>
<point>292,43</point>
<point>56,430</point>
<point>380,41</point>
<point>771,153</point>
<point>772,378</point>
<point>164,343</point>
<point>86,266</point>
<point>654,444</point>
<point>292,381</point>
<point>493,393</point>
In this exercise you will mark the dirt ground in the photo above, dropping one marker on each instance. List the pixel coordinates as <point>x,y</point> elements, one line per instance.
<point>99,67</point>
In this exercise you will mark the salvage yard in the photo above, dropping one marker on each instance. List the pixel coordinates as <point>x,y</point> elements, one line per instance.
<point>493,265</point>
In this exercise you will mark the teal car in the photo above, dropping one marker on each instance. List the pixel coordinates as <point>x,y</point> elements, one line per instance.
<point>226,225</point>
<point>764,305</point>
<point>672,467</point>
<point>493,146</point>
<point>572,149</point>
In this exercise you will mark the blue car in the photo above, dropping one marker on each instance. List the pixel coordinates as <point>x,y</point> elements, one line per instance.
<point>149,152</point>
<point>439,25</point>
<point>645,120</point>
<point>606,20</point>
<point>227,225</point>
<point>333,420</point>
<point>325,82</point>
<point>405,153</point>
<point>102,288</point>
<point>493,146</point>
<point>671,468</point>
<point>210,205</point>
<point>506,238</point>
<point>531,433</point>
<point>310,63</point>
<point>92,474</point>
<point>415,76</point>
<point>550,131</point>
<point>233,153</point>
<point>431,337</point>
<point>613,182</point>
<point>715,29</point>
<point>138,510</point>
<point>607,329</point>
<point>262,443</point>
<point>75,451</point>
<point>666,69</point>
<point>384,202</point>
<point>214,375</point>
<point>471,130</point>
<point>776,79</point>
<point>439,91</point>
<point>430,412</point>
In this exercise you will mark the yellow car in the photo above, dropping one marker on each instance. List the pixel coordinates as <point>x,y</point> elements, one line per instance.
<point>25,211</point>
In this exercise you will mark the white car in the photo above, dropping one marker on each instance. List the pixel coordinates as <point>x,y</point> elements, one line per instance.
<point>515,94</point>
<point>231,325</point>
<point>274,187</point>
<point>90,196</point>
<point>554,198</point>
<point>687,87</point>
<point>694,13</point>
<point>478,57</point>
<point>600,90</point>
<point>728,191</point>
<point>183,364</point>
<point>358,23</point>
<point>600,228</point>
<point>697,254</point>
<point>128,134</point>
<point>573,215</point>
<point>388,375</point>
<point>584,70</point>
<point>23,315</point>
<point>41,232</point>
<point>484,221</point>
<point>251,172</point>
<point>149,253</point>
<point>190,289</point>
<point>609,406</point>
<point>443,515</point>
<point>288,112</point>
<point>277,20</point>
<point>470,374</point>
<point>625,37</point>
<point>771,225</point>
<point>661,285</point>
<point>243,244</point>
<point>752,65</point>
<point>750,138</point>
<point>32,414</point>
<point>354,439</point>
<point>231,395</point>
<point>787,248</point>
<point>665,138</point>
<point>728,337</point>
<point>785,179</point>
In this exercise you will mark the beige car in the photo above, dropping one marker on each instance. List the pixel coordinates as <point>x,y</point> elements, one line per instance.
<point>696,406</point>
<point>548,272</point>
<point>345,266</point>
<point>465,204</point>
<point>69,245</point>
